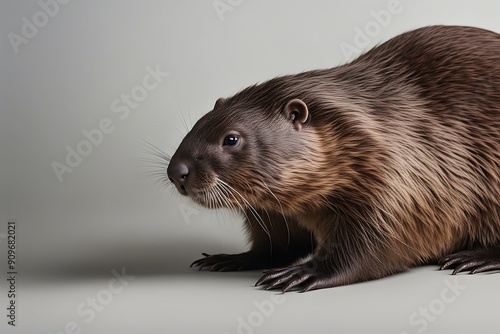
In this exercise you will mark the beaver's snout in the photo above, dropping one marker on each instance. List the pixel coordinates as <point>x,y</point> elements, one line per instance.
<point>178,172</point>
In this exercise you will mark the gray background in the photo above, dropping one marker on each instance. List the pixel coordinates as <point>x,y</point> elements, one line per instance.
<point>109,213</point>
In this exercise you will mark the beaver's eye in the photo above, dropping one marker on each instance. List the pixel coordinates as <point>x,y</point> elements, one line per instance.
<point>230,140</point>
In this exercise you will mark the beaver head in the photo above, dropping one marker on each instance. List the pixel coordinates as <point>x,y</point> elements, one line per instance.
<point>279,145</point>
<point>251,151</point>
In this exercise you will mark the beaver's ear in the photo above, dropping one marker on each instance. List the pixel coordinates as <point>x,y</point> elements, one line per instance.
<point>297,112</point>
<point>219,102</point>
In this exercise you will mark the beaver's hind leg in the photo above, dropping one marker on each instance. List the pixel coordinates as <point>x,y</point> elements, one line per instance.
<point>474,261</point>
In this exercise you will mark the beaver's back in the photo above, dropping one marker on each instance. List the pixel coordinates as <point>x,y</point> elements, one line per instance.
<point>446,139</point>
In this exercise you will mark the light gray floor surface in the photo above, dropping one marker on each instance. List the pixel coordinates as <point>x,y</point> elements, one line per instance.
<point>161,294</point>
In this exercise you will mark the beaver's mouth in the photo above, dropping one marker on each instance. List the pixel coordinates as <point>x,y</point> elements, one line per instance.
<point>208,198</point>
<point>217,195</point>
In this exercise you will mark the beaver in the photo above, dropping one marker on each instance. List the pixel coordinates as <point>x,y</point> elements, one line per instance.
<point>360,171</point>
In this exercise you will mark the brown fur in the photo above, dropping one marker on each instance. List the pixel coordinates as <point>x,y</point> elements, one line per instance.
<point>396,165</point>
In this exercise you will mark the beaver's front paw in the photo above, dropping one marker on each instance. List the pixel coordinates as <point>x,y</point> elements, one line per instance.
<point>228,262</point>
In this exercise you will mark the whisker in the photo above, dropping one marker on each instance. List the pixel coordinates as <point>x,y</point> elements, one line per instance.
<point>154,163</point>
<point>179,111</point>
<point>156,151</point>
<point>282,211</point>
<point>252,210</point>
<point>223,199</point>
<point>225,193</point>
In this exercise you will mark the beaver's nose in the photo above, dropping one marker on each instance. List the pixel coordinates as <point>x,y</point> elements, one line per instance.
<point>178,172</point>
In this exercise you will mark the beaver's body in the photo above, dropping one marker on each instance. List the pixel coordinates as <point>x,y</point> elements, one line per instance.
<point>385,163</point>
